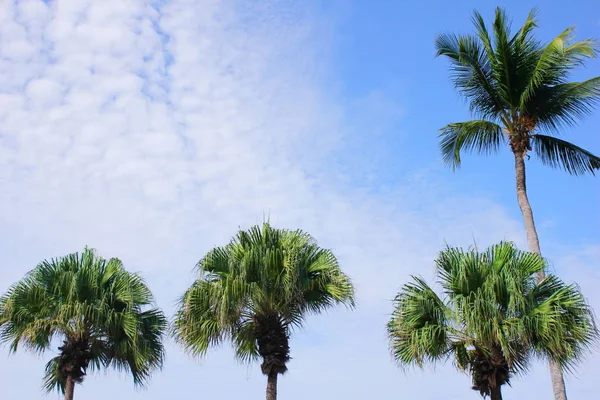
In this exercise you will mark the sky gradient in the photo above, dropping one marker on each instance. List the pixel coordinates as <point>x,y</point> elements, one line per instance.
<point>152,131</point>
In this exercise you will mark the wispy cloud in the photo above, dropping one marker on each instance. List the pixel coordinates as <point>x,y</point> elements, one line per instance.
<point>151,131</point>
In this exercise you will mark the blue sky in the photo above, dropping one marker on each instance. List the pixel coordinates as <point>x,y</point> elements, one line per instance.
<point>153,130</point>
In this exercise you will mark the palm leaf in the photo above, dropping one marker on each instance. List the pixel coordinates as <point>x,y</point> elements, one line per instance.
<point>555,61</point>
<point>558,153</point>
<point>554,106</point>
<point>562,324</point>
<point>418,329</point>
<point>471,72</point>
<point>479,135</point>
<point>53,380</point>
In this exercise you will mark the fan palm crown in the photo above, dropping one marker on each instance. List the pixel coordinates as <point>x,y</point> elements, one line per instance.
<point>102,313</point>
<point>255,290</point>
<point>492,317</point>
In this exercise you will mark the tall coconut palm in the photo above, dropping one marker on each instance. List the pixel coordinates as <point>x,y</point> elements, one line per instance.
<point>518,88</point>
<point>254,291</point>
<point>492,317</point>
<point>102,314</point>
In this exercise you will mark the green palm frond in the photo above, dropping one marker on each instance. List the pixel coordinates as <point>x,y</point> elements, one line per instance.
<point>480,136</point>
<point>558,153</point>
<point>503,72</point>
<point>531,22</point>
<point>244,342</point>
<point>554,106</point>
<point>484,36</point>
<point>418,329</point>
<point>554,62</point>
<point>88,301</point>
<point>562,322</point>
<point>263,273</point>
<point>198,324</point>
<point>471,72</point>
<point>53,380</point>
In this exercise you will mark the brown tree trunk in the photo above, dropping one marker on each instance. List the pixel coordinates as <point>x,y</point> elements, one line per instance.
<point>495,393</point>
<point>69,388</point>
<point>558,382</point>
<point>272,386</point>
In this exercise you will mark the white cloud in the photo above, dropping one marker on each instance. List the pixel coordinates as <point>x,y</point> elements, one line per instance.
<point>152,133</point>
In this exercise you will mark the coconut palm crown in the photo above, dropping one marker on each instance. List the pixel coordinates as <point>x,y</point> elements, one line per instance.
<point>519,89</point>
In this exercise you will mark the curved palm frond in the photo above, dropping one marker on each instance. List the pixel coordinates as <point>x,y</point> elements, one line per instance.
<point>52,379</point>
<point>554,106</point>
<point>471,72</point>
<point>481,136</point>
<point>554,62</point>
<point>418,329</point>
<point>95,306</point>
<point>199,323</point>
<point>558,153</point>
<point>561,322</point>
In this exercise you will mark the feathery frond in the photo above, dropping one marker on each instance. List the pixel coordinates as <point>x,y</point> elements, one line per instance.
<point>558,153</point>
<point>481,136</point>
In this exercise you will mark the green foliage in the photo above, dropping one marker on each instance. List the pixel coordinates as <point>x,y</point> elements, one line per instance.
<point>482,136</point>
<point>519,87</point>
<point>490,304</point>
<point>262,273</point>
<point>83,298</point>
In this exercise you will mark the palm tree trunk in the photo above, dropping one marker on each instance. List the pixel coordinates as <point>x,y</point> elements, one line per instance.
<point>69,388</point>
<point>272,386</point>
<point>558,382</point>
<point>495,393</point>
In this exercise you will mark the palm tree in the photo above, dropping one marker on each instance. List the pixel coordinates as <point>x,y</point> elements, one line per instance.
<point>518,90</point>
<point>100,312</point>
<point>254,291</point>
<point>492,317</point>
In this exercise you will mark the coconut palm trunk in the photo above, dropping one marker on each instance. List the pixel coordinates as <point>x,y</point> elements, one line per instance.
<point>556,374</point>
<point>69,388</point>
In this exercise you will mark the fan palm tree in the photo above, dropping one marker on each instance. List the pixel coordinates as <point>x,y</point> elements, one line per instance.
<point>518,90</point>
<point>492,317</point>
<point>254,291</point>
<point>100,312</point>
